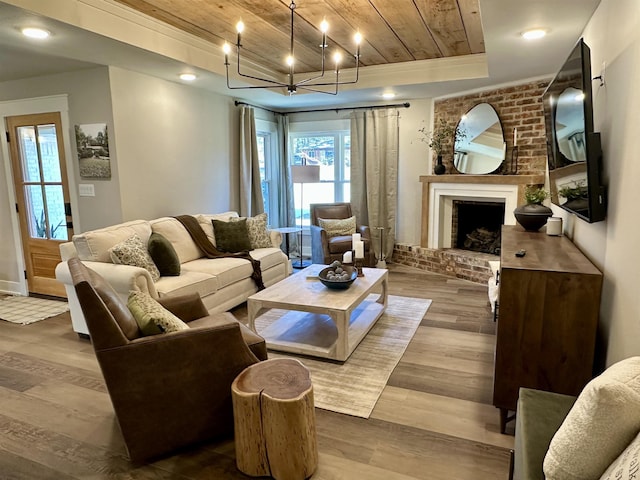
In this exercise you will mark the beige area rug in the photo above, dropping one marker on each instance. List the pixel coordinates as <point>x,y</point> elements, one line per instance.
<point>353,388</point>
<point>26,310</point>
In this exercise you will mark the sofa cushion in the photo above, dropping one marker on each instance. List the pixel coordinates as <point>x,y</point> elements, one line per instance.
<point>205,222</point>
<point>187,282</point>
<point>231,237</point>
<point>174,231</point>
<point>602,422</point>
<point>626,466</point>
<point>95,244</point>
<point>227,270</point>
<point>163,255</point>
<point>257,230</point>
<point>336,227</point>
<point>153,318</point>
<point>133,251</point>
<point>231,270</point>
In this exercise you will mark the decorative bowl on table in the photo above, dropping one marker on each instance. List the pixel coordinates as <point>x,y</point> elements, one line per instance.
<point>337,277</point>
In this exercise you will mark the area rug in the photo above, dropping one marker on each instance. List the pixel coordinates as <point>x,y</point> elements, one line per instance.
<point>353,387</point>
<point>26,310</point>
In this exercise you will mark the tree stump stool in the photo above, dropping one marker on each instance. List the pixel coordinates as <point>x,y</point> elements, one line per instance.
<point>274,420</point>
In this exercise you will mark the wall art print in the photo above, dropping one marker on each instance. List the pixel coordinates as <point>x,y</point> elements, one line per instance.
<point>92,141</point>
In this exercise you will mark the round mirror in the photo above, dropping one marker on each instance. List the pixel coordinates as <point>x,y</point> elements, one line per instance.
<point>479,145</point>
<point>570,124</point>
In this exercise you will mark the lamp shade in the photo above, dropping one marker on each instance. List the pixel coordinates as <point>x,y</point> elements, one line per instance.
<point>305,173</point>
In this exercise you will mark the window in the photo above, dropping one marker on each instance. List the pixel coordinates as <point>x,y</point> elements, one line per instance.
<point>267,145</point>
<point>331,150</point>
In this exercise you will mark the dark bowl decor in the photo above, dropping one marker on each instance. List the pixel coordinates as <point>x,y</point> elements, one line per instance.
<point>533,216</point>
<point>338,282</point>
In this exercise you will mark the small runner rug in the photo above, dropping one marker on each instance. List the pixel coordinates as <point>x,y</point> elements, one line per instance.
<point>26,310</point>
<point>353,387</point>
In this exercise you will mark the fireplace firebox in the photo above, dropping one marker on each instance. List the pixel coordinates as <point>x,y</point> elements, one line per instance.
<point>476,225</point>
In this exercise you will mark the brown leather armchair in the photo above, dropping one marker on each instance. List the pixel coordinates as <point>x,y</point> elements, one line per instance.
<point>324,249</point>
<point>169,390</point>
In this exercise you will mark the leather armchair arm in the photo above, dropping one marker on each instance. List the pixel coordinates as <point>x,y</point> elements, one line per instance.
<point>319,244</point>
<point>186,307</point>
<point>180,380</point>
<point>365,232</point>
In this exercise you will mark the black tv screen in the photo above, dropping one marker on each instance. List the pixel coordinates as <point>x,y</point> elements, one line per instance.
<point>574,152</point>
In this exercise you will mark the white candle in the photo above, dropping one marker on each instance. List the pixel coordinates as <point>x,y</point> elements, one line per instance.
<point>355,238</point>
<point>515,137</point>
<point>347,257</point>
<point>359,248</point>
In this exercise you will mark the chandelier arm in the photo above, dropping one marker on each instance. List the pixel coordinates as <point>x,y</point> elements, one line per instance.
<point>315,90</point>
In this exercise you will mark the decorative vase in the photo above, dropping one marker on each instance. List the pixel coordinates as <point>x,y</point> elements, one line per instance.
<point>532,216</point>
<point>439,169</point>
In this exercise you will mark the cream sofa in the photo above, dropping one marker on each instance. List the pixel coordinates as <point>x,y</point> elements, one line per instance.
<point>222,283</point>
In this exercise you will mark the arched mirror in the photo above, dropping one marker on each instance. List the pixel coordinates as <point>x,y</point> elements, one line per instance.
<point>479,145</point>
<point>570,125</point>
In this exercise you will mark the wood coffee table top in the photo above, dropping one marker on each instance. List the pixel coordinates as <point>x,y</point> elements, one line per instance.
<point>304,330</point>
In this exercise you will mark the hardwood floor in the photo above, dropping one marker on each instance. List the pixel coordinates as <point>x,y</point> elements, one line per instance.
<point>433,421</point>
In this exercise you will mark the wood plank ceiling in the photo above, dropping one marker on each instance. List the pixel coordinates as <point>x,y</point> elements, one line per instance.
<point>393,30</point>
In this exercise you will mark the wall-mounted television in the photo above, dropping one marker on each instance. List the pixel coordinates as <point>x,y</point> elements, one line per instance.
<point>574,152</point>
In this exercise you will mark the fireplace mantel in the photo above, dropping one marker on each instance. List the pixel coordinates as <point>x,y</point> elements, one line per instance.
<point>474,182</point>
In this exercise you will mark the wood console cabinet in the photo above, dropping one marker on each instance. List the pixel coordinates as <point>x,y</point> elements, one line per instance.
<point>549,304</point>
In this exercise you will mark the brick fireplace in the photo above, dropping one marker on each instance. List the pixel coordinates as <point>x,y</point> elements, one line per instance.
<point>437,251</point>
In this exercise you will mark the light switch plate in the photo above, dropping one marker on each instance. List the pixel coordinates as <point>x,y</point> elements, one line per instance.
<point>86,190</point>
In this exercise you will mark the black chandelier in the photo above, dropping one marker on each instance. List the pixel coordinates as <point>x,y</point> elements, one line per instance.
<point>306,84</point>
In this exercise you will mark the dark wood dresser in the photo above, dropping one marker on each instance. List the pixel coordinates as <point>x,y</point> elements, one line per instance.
<point>549,305</point>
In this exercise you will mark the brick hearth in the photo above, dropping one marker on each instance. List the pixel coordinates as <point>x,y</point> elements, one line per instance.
<point>464,264</point>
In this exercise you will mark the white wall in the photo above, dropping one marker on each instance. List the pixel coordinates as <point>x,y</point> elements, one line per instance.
<point>613,34</point>
<point>177,145</point>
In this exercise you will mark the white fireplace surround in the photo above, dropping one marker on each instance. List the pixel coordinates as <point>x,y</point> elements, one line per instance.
<point>442,195</point>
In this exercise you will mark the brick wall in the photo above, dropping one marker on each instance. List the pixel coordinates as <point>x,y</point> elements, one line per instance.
<point>517,106</point>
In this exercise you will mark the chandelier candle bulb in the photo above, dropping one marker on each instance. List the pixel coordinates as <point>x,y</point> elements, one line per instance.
<point>515,137</point>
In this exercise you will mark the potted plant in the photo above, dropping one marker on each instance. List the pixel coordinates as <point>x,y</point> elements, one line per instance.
<point>576,195</point>
<point>533,214</point>
<point>438,139</point>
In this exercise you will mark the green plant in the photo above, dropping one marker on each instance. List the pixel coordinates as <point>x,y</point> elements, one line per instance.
<point>575,191</point>
<point>439,137</point>
<point>535,195</point>
<point>41,227</point>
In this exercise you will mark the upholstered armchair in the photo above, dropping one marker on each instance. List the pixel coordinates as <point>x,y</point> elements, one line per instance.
<point>325,248</point>
<point>169,390</point>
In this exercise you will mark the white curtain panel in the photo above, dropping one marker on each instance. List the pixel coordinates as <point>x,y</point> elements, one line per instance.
<point>251,202</point>
<point>374,173</point>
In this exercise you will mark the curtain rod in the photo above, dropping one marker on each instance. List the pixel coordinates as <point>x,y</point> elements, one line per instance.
<point>337,109</point>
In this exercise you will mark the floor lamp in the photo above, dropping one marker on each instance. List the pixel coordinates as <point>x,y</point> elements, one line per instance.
<point>304,174</point>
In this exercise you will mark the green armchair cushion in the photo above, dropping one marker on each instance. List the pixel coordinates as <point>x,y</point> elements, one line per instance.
<point>153,318</point>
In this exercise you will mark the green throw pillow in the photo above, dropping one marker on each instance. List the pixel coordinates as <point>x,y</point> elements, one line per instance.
<point>133,251</point>
<point>257,228</point>
<point>231,237</point>
<point>164,255</point>
<point>151,317</point>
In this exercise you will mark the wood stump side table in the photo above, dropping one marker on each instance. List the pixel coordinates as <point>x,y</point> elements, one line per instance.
<point>274,420</point>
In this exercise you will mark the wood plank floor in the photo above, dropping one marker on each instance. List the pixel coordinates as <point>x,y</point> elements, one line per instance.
<point>433,421</point>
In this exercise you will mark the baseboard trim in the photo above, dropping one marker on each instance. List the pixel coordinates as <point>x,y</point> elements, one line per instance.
<point>11,288</point>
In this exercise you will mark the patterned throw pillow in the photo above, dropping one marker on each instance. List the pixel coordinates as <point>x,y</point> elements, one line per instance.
<point>257,228</point>
<point>134,252</point>
<point>338,227</point>
<point>151,317</point>
<point>231,237</point>
<point>164,255</point>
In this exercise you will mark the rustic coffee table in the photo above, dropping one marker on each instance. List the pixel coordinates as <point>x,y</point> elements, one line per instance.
<point>320,322</point>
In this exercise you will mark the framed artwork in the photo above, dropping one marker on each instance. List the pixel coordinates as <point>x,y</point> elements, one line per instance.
<point>92,141</point>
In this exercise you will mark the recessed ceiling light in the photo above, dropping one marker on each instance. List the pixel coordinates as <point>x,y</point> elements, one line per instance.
<point>388,95</point>
<point>33,32</point>
<point>187,77</point>
<point>534,34</point>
